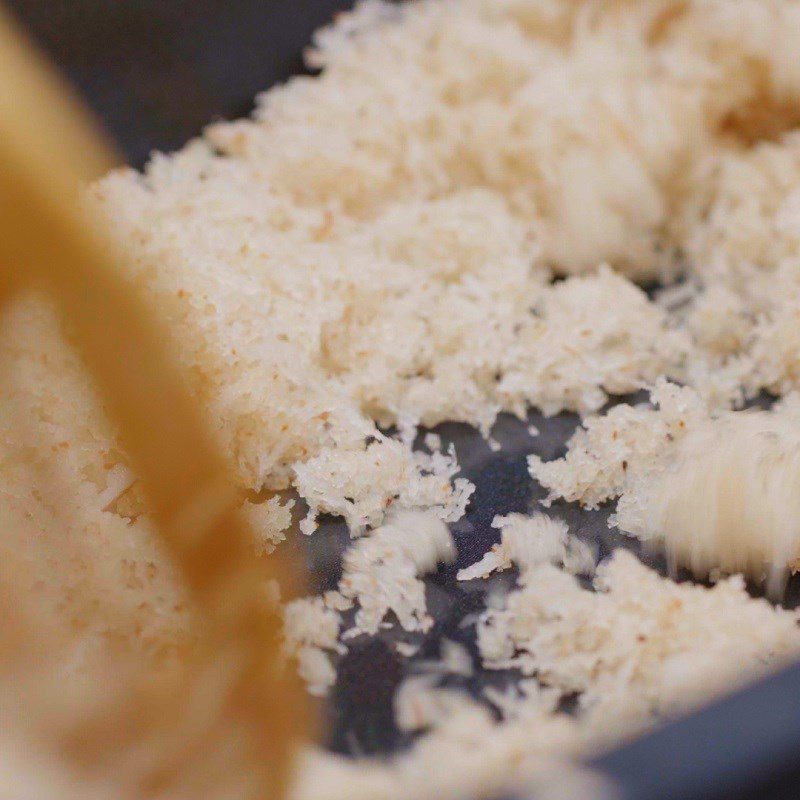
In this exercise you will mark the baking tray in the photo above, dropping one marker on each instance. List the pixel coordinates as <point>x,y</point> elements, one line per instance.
<point>156,71</point>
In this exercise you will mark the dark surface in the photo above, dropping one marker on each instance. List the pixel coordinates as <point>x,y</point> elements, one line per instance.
<point>746,746</point>
<point>156,71</point>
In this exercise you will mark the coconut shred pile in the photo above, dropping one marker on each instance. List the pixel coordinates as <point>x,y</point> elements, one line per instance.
<point>465,213</point>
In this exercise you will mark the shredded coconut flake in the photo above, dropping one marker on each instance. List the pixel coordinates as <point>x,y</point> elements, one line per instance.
<point>529,541</point>
<point>382,571</point>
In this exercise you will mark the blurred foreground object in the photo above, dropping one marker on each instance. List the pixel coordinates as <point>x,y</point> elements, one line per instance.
<point>226,720</point>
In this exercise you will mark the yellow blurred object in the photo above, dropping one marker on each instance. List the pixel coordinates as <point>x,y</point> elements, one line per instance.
<point>47,146</point>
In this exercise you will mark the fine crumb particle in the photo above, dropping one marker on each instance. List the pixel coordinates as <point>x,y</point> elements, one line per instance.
<point>529,541</point>
<point>406,649</point>
<point>311,627</point>
<point>433,442</point>
<point>608,449</point>
<point>382,570</point>
<point>308,524</point>
<point>420,704</point>
<point>269,521</point>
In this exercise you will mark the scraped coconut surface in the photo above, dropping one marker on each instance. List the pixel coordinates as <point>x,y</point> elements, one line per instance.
<point>461,216</point>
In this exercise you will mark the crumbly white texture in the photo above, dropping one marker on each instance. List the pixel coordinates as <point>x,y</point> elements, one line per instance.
<point>269,520</point>
<point>641,647</point>
<point>481,754</point>
<point>377,246</point>
<point>454,660</point>
<point>311,627</point>
<point>377,243</point>
<point>420,705</point>
<point>607,448</point>
<point>717,489</point>
<point>529,541</point>
<point>363,485</point>
<point>639,650</point>
<point>382,571</point>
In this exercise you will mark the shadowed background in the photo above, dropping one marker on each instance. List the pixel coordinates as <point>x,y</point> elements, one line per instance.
<point>157,71</point>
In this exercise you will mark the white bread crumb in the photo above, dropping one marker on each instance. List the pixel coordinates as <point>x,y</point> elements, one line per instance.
<point>382,570</point>
<point>530,541</point>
